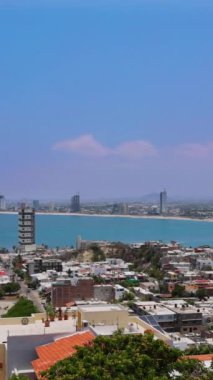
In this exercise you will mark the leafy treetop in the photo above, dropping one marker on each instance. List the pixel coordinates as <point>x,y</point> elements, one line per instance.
<point>122,357</point>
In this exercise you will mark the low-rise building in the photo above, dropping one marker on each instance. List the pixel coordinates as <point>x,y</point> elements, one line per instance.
<point>189,319</point>
<point>204,263</point>
<point>194,286</point>
<point>173,316</point>
<point>4,278</point>
<point>119,291</point>
<point>150,285</point>
<point>65,291</point>
<point>39,265</point>
<point>165,317</point>
<point>103,314</point>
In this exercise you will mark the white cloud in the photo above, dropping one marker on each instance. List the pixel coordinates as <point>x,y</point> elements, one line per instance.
<point>194,150</point>
<point>87,145</point>
<point>136,149</point>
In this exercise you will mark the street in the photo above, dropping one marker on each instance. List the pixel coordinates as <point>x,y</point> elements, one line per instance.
<point>31,295</point>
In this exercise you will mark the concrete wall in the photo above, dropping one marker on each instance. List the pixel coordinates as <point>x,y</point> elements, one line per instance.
<point>104,293</point>
<point>18,320</point>
<point>111,317</point>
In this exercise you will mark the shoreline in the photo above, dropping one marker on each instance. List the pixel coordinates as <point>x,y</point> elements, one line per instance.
<point>151,217</point>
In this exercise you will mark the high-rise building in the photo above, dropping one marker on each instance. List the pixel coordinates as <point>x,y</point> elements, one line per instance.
<point>75,203</point>
<point>51,206</point>
<point>120,208</point>
<point>36,205</point>
<point>2,203</point>
<point>163,202</point>
<point>27,228</point>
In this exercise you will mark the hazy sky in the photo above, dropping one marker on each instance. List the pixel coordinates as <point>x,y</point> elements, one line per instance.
<point>109,98</point>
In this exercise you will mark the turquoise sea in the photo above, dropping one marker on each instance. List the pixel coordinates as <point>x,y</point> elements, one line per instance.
<point>62,230</point>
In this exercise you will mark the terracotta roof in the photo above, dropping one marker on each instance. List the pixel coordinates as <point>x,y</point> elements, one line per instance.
<point>51,353</point>
<point>202,358</point>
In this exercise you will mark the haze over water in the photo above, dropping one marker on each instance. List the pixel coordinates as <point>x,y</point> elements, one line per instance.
<point>60,230</point>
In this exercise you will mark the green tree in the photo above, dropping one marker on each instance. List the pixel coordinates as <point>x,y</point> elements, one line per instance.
<point>18,377</point>
<point>33,284</point>
<point>130,283</point>
<point>22,308</point>
<point>201,293</point>
<point>156,273</point>
<point>1,293</point>
<point>50,310</point>
<point>11,287</point>
<point>20,273</point>
<point>178,291</point>
<point>191,369</point>
<point>201,349</point>
<point>98,280</point>
<point>122,357</point>
<point>128,296</point>
<point>98,254</point>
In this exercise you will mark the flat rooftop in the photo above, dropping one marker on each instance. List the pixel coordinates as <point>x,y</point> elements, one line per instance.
<point>102,307</point>
<point>180,306</point>
<point>37,328</point>
<point>154,308</point>
<point>107,330</point>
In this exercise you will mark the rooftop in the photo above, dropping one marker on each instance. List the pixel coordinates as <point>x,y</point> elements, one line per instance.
<point>101,307</point>
<point>132,328</point>
<point>180,306</point>
<point>154,308</point>
<point>62,348</point>
<point>206,358</point>
<point>36,328</point>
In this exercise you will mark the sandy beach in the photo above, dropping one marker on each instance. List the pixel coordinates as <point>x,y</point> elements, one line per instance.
<point>160,217</point>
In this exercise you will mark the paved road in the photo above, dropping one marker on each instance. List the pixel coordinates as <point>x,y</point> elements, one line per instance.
<point>32,295</point>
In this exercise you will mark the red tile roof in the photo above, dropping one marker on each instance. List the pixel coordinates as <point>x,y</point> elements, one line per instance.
<point>202,358</point>
<point>51,353</point>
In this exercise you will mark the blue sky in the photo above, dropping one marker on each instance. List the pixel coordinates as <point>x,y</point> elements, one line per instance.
<point>108,98</point>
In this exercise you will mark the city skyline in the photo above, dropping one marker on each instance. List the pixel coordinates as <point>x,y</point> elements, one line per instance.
<point>111,99</point>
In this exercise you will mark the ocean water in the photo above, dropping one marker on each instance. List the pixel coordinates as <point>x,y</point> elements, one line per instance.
<point>60,230</point>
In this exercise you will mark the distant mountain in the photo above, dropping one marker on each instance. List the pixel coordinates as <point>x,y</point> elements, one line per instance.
<point>150,198</point>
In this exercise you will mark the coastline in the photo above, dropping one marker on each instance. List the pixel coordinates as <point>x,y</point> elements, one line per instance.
<point>151,217</point>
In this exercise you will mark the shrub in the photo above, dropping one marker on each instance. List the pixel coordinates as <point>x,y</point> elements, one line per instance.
<point>22,308</point>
